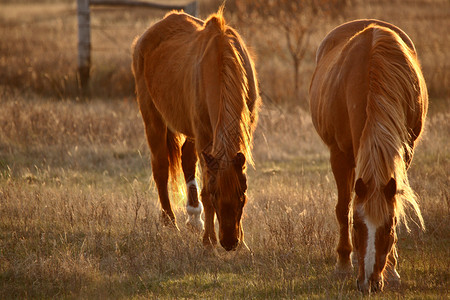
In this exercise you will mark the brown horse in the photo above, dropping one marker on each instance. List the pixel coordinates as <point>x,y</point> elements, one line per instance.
<point>368,101</point>
<point>197,91</point>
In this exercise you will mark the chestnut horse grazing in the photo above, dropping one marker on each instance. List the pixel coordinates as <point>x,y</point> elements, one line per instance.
<point>368,101</point>
<point>197,91</point>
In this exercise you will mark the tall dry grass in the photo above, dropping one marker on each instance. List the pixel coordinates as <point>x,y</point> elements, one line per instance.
<point>79,215</point>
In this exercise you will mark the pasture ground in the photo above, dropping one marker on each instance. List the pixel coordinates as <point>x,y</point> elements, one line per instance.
<point>79,215</point>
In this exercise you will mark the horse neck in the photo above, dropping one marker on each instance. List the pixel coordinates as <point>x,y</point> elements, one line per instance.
<point>232,133</point>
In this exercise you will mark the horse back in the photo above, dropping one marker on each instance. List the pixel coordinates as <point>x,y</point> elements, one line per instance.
<point>173,24</point>
<point>344,32</point>
<point>180,58</point>
<point>162,59</point>
<point>340,84</point>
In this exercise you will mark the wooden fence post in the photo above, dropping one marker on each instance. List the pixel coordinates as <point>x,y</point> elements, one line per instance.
<point>84,42</point>
<point>84,29</point>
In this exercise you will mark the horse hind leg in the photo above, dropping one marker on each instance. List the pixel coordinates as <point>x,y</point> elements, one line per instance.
<point>157,134</point>
<point>343,172</point>
<point>157,137</point>
<point>194,207</point>
<point>160,169</point>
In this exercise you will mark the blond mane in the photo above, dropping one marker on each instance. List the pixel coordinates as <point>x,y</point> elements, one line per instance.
<point>396,86</point>
<point>233,132</point>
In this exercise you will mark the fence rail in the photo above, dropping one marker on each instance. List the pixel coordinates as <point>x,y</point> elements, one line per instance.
<point>84,27</point>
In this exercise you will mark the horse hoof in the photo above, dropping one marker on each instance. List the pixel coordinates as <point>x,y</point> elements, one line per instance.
<point>343,270</point>
<point>209,243</point>
<point>195,223</point>
<point>172,225</point>
<point>169,222</point>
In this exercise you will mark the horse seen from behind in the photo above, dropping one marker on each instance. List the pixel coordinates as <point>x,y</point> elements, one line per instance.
<point>198,94</point>
<point>368,101</point>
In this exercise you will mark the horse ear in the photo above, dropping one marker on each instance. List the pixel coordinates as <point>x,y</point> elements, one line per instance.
<point>239,161</point>
<point>211,162</point>
<point>360,188</point>
<point>390,189</point>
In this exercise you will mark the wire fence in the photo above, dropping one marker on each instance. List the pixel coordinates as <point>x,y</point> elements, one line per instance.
<point>84,27</point>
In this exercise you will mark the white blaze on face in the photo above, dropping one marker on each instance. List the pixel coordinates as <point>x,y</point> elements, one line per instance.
<point>369,259</point>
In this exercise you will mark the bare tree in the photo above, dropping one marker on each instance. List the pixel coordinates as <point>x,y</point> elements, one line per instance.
<point>295,19</point>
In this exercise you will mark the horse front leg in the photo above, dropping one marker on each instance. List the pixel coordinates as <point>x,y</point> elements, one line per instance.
<point>156,132</point>
<point>209,235</point>
<point>343,172</point>
<point>160,169</point>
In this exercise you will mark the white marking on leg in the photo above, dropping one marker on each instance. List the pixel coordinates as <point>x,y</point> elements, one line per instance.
<point>193,182</point>
<point>191,210</point>
<point>194,210</point>
<point>369,259</point>
<point>195,216</point>
<point>194,213</point>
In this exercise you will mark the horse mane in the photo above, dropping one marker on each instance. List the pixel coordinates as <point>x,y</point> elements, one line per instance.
<point>233,130</point>
<point>395,84</point>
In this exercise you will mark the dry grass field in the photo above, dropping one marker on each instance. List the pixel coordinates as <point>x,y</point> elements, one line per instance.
<point>79,215</point>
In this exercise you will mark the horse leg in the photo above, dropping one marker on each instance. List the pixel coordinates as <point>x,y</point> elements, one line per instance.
<point>343,172</point>
<point>194,207</point>
<point>209,235</point>
<point>156,132</point>
<point>160,168</point>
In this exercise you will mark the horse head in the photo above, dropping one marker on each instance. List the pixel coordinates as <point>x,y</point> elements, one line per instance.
<point>227,186</point>
<point>374,240</point>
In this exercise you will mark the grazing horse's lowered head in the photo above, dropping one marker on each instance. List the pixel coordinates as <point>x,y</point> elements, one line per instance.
<point>227,185</point>
<point>374,240</point>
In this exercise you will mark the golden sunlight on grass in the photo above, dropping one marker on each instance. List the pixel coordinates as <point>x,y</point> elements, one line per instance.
<point>79,213</point>
<point>78,217</point>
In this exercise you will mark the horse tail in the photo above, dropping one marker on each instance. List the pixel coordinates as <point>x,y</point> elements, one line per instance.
<point>174,143</point>
<point>395,83</point>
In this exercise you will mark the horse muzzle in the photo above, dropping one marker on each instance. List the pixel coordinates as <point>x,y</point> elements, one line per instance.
<point>231,238</point>
<point>229,243</point>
